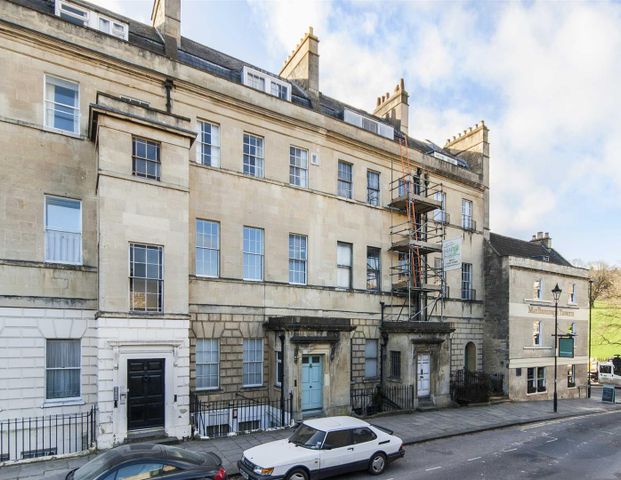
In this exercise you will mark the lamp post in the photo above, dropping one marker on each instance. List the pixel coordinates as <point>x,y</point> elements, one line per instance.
<point>556,293</point>
<point>589,364</point>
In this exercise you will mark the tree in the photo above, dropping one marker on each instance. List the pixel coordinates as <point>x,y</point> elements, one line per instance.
<point>602,279</point>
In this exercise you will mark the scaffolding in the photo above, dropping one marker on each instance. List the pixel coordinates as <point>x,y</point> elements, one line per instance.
<point>416,234</point>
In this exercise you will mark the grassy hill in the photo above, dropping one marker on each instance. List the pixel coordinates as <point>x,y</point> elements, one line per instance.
<point>606,329</point>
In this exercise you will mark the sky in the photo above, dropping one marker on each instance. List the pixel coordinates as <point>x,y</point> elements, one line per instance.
<point>545,77</point>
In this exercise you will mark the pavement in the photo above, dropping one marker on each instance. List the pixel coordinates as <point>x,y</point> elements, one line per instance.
<point>413,428</point>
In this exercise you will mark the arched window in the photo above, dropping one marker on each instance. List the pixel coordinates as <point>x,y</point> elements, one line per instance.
<point>470,357</point>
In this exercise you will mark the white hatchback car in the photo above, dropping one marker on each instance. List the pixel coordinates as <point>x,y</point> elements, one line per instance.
<point>321,448</point>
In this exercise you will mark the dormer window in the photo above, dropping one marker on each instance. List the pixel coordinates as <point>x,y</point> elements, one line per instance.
<point>266,83</point>
<point>368,124</point>
<point>88,18</point>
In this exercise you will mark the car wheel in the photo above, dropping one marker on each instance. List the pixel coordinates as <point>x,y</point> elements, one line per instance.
<point>297,474</point>
<point>377,464</point>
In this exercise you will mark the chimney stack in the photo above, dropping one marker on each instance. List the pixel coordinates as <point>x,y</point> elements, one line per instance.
<point>543,239</point>
<point>394,108</point>
<point>303,63</point>
<point>166,18</point>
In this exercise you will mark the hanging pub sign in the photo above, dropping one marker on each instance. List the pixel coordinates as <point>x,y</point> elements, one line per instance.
<point>566,347</point>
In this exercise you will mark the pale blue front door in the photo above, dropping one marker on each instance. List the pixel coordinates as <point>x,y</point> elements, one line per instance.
<point>312,382</point>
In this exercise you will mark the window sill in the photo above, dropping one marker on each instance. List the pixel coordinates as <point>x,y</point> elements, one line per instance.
<point>252,387</point>
<point>208,390</point>
<point>58,262</point>
<point>536,393</point>
<point>75,135</point>
<point>539,348</point>
<point>63,402</point>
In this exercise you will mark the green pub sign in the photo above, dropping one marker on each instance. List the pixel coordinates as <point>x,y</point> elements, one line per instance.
<point>566,347</point>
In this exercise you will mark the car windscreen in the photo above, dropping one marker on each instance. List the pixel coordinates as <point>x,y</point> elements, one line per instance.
<point>307,437</point>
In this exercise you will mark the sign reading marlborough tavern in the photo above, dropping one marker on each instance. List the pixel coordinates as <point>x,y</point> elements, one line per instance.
<point>451,254</point>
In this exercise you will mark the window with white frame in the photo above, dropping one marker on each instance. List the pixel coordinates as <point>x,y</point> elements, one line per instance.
<point>571,376</point>
<point>537,333</point>
<point>536,380</point>
<point>373,269</point>
<point>253,362</point>
<point>207,363</point>
<point>253,251</point>
<point>298,166</point>
<point>373,188</point>
<point>279,370</point>
<point>467,293</point>
<point>344,265</point>
<point>146,158</point>
<point>538,289</point>
<point>266,83</point>
<point>207,248</point>
<point>467,221</point>
<point>112,27</point>
<point>209,144</point>
<point>345,181</point>
<point>146,277</point>
<point>62,369</point>
<point>572,328</point>
<point>370,359</point>
<point>297,259</point>
<point>253,155</point>
<point>279,90</point>
<point>439,214</point>
<point>63,230</point>
<point>62,105</point>
<point>572,294</point>
<point>72,13</point>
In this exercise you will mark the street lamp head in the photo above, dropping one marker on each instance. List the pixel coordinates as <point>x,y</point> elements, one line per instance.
<point>556,292</point>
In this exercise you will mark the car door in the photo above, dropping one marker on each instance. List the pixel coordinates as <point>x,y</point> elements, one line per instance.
<point>337,454</point>
<point>143,470</point>
<point>365,445</point>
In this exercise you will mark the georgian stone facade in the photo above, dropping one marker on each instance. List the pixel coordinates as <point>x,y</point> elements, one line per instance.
<point>152,85</point>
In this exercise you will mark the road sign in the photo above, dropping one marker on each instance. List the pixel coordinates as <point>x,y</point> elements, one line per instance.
<point>608,394</point>
<point>566,347</point>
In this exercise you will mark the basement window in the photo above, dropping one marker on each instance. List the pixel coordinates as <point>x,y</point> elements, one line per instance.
<point>266,83</point>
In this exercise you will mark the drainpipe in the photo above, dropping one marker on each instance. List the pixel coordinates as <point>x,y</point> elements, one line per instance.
<point>383,343</point>
<point>168,85</point>
<point>282,383</point>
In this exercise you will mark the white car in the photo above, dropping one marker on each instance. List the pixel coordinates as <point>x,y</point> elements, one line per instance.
<point>321,448</point>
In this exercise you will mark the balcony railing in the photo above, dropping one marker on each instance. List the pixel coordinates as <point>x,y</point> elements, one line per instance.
<point>468,223</point>
<point>468,294</point>
<point>63,247</point>
<point>32,437</point>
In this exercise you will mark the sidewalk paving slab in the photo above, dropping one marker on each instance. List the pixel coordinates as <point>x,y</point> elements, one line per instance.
<point>411,427</point>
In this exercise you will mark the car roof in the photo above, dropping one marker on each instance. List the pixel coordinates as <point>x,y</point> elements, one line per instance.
<point>335,423</point>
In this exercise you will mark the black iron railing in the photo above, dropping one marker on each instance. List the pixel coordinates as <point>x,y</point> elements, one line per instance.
<point>369,401</point>
<point>32,437</point>
<point>475,387</point>
<point>219,418</point>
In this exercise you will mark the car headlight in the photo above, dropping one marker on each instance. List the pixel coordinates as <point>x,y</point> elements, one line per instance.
<point>263,471</point>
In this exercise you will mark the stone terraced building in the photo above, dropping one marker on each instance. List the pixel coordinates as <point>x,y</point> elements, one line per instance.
<point>174,220</point>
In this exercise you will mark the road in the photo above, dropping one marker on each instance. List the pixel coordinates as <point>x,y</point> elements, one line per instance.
<point>576,448</point>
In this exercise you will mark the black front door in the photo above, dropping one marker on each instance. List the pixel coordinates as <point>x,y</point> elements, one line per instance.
<point>145,398</point>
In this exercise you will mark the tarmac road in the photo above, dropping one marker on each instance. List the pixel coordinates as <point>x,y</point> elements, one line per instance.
<point>579,448</point>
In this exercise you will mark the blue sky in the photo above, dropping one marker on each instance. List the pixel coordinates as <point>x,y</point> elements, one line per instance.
<point>545,77</point>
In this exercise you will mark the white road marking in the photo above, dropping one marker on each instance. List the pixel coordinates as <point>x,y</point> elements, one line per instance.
<point>432,468</point>
<point>509,450</point>
<point>553,439</point>
<point>473,459</point>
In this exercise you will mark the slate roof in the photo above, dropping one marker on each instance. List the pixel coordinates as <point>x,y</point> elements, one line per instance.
<point>514,247</point>
<point>222,65</point>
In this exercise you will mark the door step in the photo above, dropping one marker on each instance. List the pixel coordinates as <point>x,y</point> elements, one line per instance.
<point>151,435</point>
